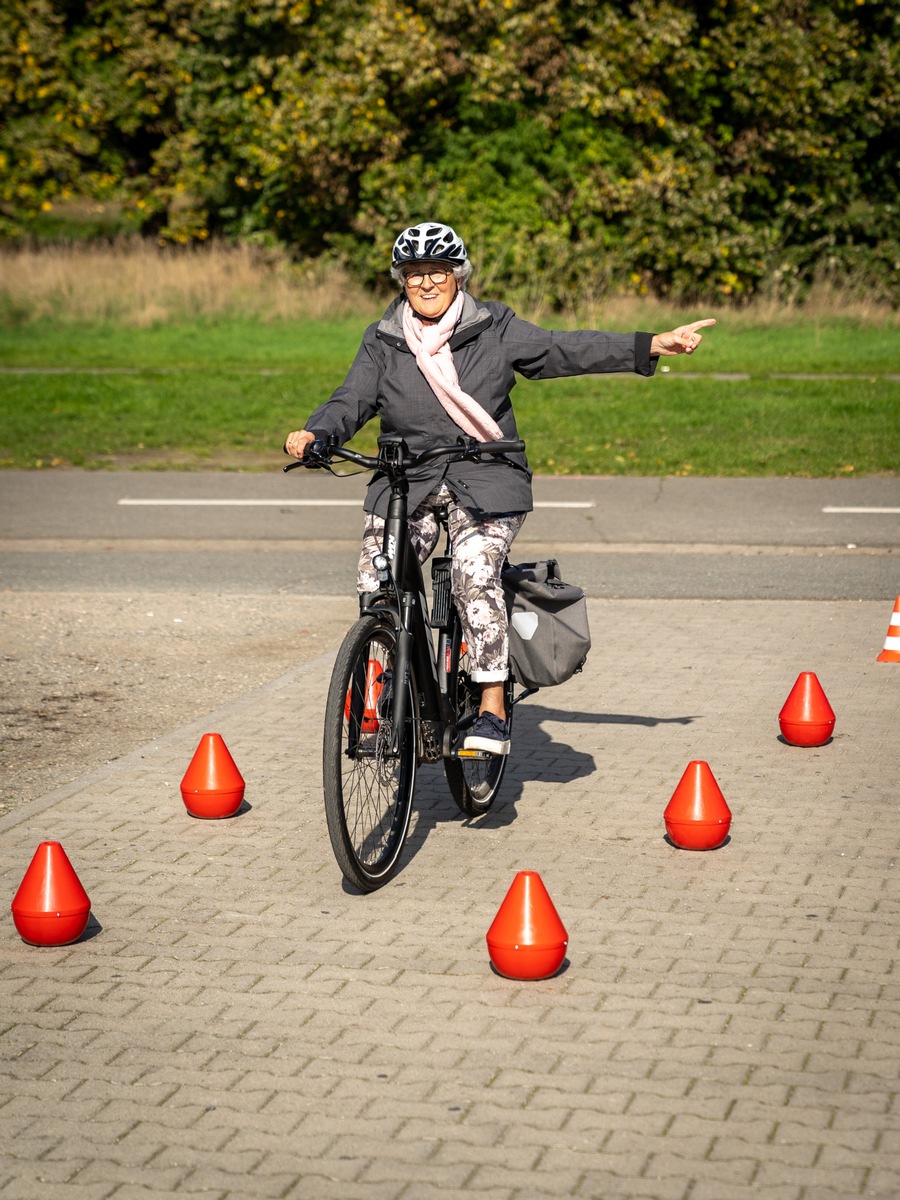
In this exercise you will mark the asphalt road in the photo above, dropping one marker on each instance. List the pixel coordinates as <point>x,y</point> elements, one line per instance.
<point>222,532</point>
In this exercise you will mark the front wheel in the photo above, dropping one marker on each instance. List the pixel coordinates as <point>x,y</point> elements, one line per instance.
<point>368,787</point>
<point>475,777</point>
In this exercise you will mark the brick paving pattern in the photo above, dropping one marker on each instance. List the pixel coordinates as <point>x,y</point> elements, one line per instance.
<point>237,1024</point>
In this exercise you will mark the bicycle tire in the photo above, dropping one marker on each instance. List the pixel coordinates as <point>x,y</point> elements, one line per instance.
<point>368,791</point>
<point>473,782</point>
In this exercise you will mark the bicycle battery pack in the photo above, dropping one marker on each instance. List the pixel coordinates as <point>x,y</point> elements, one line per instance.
<point>440,589</point>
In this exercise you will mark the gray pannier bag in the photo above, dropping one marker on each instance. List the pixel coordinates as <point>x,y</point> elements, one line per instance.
<point>549,636</point>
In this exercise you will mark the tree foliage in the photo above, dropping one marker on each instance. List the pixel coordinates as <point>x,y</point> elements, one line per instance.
<point>720,147</point>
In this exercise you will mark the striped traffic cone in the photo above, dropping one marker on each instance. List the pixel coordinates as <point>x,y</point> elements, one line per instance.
<point>891,651</point>
<point>375,684</point>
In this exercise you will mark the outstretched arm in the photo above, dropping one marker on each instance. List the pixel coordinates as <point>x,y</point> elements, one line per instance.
<point>683,340</point>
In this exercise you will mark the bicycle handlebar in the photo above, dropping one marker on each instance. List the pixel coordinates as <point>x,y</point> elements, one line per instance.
<point>319,454</point>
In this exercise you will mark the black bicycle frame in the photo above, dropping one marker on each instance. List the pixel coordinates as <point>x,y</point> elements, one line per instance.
<point>415,644</point>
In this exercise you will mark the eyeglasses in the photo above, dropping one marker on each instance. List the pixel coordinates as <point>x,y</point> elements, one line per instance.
<point>417,278</point>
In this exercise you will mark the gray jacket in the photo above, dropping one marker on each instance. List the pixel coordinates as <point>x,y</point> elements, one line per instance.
<point>490,344</point>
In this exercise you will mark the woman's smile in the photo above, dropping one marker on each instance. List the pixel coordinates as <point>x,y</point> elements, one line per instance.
<point>430,289</point>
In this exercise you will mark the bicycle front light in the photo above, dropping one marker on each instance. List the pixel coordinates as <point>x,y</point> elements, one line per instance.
<point>382,564</point>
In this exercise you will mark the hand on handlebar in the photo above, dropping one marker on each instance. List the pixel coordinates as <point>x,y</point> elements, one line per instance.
<point>296,443</point>
<point>303,446</point>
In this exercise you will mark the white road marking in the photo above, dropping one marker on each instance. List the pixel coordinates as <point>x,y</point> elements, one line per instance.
<point>231,503</point>
<point>848,509</point>
<point>162,503</point>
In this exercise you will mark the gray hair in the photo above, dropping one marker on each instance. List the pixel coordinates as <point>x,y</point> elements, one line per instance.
<point>460,273</point>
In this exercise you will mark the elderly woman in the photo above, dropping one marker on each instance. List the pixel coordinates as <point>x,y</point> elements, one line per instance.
<point>440,363</point>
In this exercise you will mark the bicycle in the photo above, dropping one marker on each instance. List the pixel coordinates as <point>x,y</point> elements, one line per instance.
<point>396,698</point>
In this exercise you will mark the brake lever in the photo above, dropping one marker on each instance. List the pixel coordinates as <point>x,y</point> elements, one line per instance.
<point>313,451</point>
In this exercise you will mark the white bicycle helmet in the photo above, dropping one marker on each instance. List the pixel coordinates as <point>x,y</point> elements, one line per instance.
<point>429,240</point>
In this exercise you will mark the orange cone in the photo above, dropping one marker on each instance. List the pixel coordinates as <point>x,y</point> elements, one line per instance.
<point>212,786</point>
<point>374,688</point>
<point>51,908</point>
<point>527,940</point>
<point>891,651</point>
<point>807,719</point>
<point>697,817</point>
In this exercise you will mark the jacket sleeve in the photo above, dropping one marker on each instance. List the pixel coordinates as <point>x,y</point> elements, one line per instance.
<point>356,401</point>
<point>540,353</point>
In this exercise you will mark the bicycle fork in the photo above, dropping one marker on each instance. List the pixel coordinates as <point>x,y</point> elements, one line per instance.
<point>413,659</point>
<point>402,665</point>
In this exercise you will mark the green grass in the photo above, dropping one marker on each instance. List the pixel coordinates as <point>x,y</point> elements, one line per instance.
<point>201,346</point>
<point>670,426</point>
<point>201,398</point>
<point>800,345</point>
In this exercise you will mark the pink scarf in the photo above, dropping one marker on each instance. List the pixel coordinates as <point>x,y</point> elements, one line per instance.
<point>435,360</point>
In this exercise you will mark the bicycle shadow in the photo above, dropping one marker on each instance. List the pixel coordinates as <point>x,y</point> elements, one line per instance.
<point>539,752</point>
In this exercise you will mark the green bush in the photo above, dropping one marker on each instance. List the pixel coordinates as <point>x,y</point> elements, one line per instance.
<point>722,148</point>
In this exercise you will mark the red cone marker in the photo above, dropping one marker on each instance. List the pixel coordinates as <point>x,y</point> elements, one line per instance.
<point>697,817</point>
<point>807,718</point>
<point>527,940</point>
<point>212,786</point>
<point>51,908</point>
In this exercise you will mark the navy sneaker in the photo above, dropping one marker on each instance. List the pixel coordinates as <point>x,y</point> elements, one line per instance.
<point>488,733</point>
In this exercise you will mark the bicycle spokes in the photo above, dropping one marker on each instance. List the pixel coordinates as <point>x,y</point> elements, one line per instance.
<point>363,695</point>
<point>369,773</point>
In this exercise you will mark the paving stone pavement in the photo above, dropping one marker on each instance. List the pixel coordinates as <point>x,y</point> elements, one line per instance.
<point>235,1023</point>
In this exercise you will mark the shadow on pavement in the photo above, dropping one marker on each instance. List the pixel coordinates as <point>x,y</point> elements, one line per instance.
<point>548,757</point>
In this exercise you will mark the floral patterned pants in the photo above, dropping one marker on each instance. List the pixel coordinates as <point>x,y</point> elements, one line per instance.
<point>479,548</point>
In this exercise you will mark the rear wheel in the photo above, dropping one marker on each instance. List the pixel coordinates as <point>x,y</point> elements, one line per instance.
<point>474,777</point>
<point>368,789</point>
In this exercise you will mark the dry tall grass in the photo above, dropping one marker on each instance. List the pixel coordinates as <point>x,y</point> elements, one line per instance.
<point>139,283</point>
<point>824,302</point>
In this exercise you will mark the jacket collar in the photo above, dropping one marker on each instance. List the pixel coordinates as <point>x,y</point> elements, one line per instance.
<point>473,320</point>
